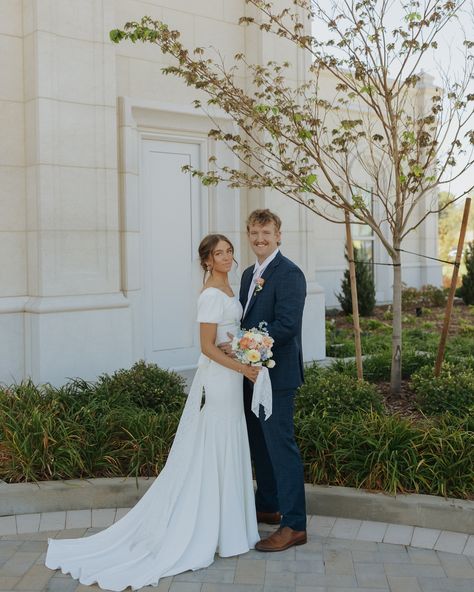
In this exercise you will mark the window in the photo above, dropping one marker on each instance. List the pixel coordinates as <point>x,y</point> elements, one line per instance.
<point>362,234</point>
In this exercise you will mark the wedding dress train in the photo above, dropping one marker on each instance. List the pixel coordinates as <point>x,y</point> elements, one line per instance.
<point>201,503</point>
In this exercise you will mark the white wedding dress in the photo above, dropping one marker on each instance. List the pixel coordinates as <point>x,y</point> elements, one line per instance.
<point>203,500</point>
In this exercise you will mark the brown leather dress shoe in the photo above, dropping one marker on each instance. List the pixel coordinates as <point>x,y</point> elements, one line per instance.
<point>282,539</point>
<point>269,517</point>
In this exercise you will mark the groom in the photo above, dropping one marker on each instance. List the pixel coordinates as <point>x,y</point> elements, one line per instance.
<point>274,290</point>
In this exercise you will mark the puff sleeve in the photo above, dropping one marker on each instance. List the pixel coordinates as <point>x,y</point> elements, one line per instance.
<point>210,306</point>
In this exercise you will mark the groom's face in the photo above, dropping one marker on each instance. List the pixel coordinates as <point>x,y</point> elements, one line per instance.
<point>263,239</point>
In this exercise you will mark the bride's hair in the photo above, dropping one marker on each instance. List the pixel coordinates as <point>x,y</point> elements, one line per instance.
<point>207,248</point>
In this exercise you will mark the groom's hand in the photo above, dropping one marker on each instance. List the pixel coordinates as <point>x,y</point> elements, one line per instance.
<point>226,346</point>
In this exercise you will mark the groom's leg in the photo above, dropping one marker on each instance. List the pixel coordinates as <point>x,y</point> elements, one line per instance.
<point>266,497</point>
<point>278,430</point>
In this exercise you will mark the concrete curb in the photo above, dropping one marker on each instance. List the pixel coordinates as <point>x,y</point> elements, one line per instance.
<point>343,502</point>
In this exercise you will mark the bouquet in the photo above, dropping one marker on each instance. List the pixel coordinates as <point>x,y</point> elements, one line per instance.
<point>254,346</point>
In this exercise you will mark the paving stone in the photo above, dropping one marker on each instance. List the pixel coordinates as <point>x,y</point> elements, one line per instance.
<point>297,566</point>
<point>430,584</point>
<point>231,588</point>
<point>372,531</point>
<point>215,576</point>
<point>321,525</point>
<point>368,579</point>
<point>453,542</point>
<point>163,586</point>
<point>7,525</point>
<point>373,568</point>
<point>335,580</point>
<point>288,554</point>
<point>398,534</point>
<point>36,578</point>
<point>469,547</point>
<point>403,584</point>
<point>282,579</point>
<point>456,566</point>
<point>364,556</point>
<point>352,545</point>
<point>445,585</point>
<point>338,589</point>
<point>250,571</point>
<point>345,528</point>
<point>8,582</point>
<point>393,556</point>
<point>53,521</point>
<point>62,585</point>
<point>225,562</point>
<point>34,546</point>
<point>430,571</point>
<point>425,556</point>
<point>338,561</point>
<point>424,537</point>
<point>78,519</point>
<point>120,513</point>
<point>304,554</point>
<point>73,533</point>
<point>27,523</point>
<point>103,517</point>
<point>35,536</point>
<point>186,587</point>
<point>310,589</point>
<point>18,564</point>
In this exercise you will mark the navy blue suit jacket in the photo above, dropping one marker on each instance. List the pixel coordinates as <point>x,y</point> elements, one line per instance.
<point>280,303</point>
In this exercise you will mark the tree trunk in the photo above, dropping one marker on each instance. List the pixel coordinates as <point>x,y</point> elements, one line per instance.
<point>396,372</point>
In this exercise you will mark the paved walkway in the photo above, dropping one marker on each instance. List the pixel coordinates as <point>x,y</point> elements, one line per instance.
<point>342,555</point>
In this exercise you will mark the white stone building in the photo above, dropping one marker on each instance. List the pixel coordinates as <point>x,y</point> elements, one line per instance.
<point>98,225</point>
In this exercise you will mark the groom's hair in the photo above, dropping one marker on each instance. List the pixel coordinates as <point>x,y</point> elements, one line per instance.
<point>262,217</point>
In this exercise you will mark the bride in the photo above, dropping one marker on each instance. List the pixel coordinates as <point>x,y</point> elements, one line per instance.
<point>202,502</point>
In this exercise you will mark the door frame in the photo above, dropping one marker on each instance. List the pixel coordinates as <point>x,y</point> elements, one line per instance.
<point>140,120</point>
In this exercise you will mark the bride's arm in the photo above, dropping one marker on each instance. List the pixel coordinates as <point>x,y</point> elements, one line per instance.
<point>208,332</point>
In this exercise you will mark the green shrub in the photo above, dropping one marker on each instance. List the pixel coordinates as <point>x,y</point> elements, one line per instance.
<point>427,297</point>
<point>146,385</point>
<point>87,429</point>
<point>376,367</point>
<point>389,453</point>
<point>466,290</point>
<point>330,394</point>
<point>452,391</point>
<point>365,286</point>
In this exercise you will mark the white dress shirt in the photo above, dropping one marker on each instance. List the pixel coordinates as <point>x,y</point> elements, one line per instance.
<point>257,273</point>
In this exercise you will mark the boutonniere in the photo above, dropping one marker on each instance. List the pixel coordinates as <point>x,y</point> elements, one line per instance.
<point>259,283</point>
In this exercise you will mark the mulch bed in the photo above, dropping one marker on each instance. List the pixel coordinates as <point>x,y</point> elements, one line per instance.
<point>403,404</point>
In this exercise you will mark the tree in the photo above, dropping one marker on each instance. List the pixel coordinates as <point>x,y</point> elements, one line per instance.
<point>466,291</point>
<point>383,115</point>
<point>365,286</point>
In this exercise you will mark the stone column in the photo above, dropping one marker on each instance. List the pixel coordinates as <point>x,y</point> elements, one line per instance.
<point>77,321</point>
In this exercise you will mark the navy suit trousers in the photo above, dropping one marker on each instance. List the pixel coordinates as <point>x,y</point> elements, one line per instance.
<point>276,459</point>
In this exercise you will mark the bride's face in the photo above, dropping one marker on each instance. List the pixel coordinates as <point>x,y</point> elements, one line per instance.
<point>222,257</point>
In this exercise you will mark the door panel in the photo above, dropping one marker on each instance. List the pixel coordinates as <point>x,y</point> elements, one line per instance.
<point>172,230</point>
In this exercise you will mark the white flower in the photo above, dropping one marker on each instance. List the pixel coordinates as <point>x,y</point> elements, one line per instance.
<point>271,364</point>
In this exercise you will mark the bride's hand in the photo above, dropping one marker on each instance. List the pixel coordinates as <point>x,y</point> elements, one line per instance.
<point>251,372</point>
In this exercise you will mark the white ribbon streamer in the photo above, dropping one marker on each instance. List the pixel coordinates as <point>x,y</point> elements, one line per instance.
<point>262,393</point>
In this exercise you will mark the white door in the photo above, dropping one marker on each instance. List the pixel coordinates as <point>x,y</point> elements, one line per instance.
<point>172,207</point>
